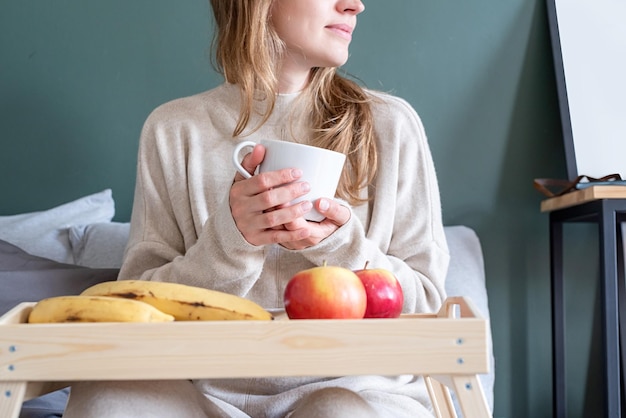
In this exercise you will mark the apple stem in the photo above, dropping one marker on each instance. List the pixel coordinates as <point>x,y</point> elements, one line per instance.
<point>366,264</point>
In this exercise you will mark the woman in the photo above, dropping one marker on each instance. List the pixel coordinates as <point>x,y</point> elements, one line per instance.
<point>195,222</point>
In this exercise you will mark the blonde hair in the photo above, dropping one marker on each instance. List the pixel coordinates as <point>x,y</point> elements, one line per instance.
<point>247,51</point>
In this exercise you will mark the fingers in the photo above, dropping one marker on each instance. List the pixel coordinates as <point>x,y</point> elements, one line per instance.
<point>266,192</point>
<point>251,161</point>
<point>336,216</point>
<point>288,218</point>
<point>260,216</point>
<point>333,211</point>
<point>300,222</point>
<point>263,214</point>
<point>267,185</point>
<point>296,229</point>
<point>280,236</point>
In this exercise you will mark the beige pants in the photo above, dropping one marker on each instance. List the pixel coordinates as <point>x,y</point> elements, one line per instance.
<point>181,399</point>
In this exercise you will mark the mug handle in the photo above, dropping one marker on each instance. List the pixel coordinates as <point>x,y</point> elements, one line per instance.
<point>236,161</point>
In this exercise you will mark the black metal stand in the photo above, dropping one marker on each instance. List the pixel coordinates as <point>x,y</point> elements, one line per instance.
<point>607,213</point>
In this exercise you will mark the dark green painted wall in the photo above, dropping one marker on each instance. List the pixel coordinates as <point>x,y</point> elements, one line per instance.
<point>77,80</point>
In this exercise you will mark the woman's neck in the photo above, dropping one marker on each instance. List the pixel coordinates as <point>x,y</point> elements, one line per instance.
<point>293,78</point>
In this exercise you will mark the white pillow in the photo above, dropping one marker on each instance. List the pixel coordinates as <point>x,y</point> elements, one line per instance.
<point>45,233</point>
<point>99,245</point>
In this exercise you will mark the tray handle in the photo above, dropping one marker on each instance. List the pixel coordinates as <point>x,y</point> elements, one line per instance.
<point>458,307</point>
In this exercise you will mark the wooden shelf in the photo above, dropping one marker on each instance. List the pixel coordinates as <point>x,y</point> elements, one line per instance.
<point>582,196</point>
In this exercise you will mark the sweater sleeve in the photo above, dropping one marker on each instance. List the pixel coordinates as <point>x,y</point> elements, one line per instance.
<point>403,230</point>
<point>169,239</point>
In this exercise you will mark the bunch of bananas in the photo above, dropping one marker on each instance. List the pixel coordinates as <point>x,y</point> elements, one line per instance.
<point>144,301</point>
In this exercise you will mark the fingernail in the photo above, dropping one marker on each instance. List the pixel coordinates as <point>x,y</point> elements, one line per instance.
<point>307,206</point>
<point>324,205</point>
<point>305,187</point>
<point>296,173</point>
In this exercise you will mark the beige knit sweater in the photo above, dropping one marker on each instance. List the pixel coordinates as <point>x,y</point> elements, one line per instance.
<point>182,231</point>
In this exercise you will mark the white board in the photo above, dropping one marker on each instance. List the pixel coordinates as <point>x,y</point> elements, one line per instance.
<point>592,37</point>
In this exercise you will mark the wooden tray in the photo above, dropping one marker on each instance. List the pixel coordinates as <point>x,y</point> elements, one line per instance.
<point>448,348</point>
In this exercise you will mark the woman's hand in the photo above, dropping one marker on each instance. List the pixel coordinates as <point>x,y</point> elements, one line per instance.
<point>336,216</point>
<point>259,204</point>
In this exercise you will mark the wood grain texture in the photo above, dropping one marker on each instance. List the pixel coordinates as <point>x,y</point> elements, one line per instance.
<point>11,396</point>
<point>582,196</point>
<point>414,344</point>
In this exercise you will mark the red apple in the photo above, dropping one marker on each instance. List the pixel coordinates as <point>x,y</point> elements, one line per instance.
<point>384,293</point>
<point>325,292</point>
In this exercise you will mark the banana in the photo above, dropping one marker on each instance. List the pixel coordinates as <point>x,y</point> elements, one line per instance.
<point>185,303</point>
<point>94,309</point>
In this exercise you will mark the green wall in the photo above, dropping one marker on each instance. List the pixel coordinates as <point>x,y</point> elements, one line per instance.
<point>77,80</point>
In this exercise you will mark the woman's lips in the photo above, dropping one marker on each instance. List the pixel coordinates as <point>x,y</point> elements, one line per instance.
<point>344,31</point>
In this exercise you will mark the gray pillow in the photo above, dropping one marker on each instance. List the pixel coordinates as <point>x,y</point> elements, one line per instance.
<point>99,245</point>
<point>45,233</point>
<point>28,278</point>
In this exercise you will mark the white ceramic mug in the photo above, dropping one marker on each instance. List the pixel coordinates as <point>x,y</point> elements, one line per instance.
<point>321,168</point>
